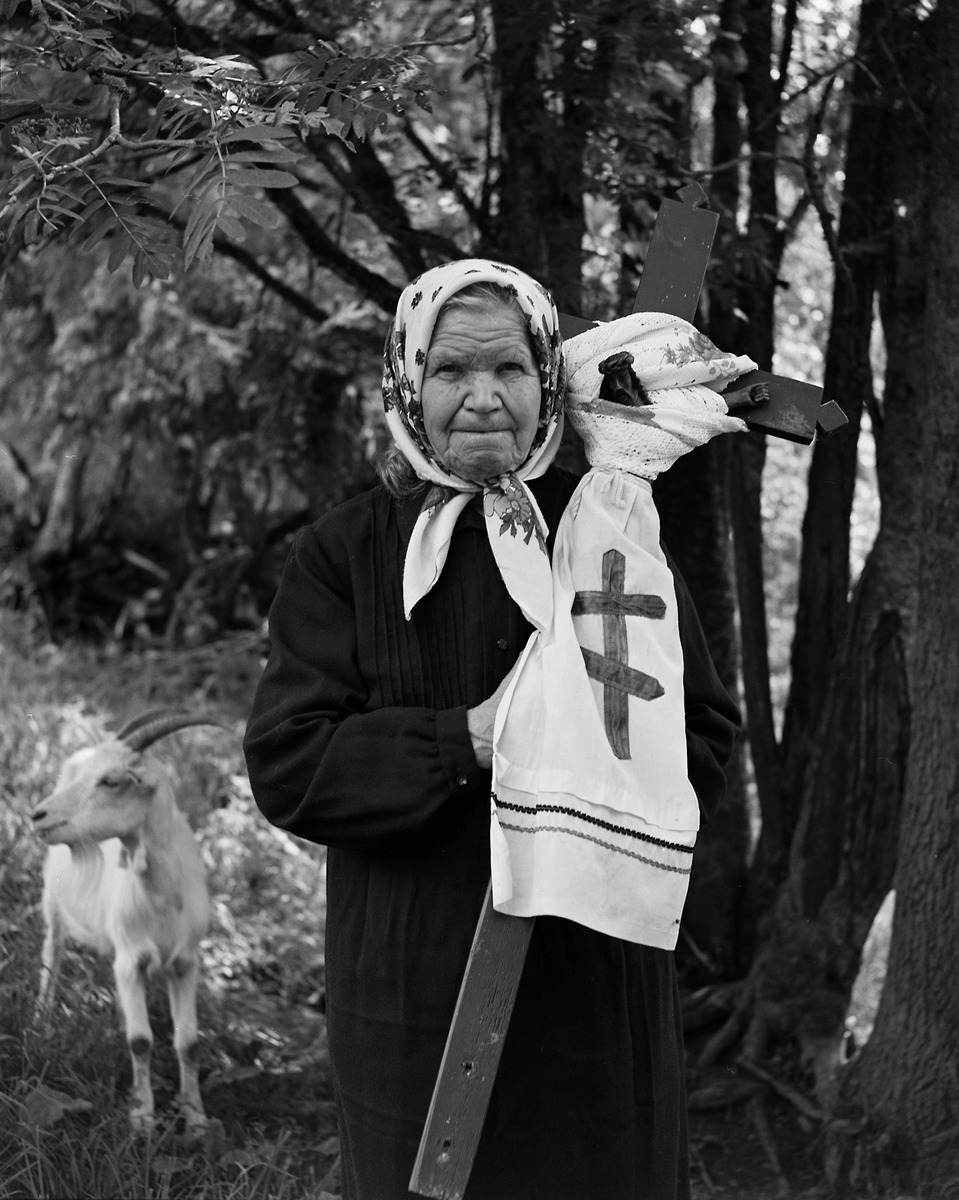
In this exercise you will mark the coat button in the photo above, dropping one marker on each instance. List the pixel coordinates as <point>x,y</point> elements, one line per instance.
<point>503,644</point>
<point>462,780</point>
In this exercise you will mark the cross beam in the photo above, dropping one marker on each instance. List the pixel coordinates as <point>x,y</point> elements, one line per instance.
<point>671,282</point>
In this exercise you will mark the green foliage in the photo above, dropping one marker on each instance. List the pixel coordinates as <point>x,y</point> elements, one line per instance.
<point>209,424</point>
<point>98,126</point>
<point>64,1128</point>
<point>210,410</point>
<point>207,414</point>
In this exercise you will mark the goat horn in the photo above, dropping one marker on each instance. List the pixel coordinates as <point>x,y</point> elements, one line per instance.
<point>158,725</point>
<point>144,718</point>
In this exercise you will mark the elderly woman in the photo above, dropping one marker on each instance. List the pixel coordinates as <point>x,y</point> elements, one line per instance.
<point>396,624</point>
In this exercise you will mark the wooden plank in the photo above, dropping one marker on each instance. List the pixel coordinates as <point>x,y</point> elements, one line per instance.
<point>676,261</point>
<point>473,1049</point>
<point>791,411</point>
<point>794,410</point>
<point>570,326</point>
<point>678,255</point>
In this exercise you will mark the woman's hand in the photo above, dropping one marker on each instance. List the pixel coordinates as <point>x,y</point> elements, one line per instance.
<point>479,721</point>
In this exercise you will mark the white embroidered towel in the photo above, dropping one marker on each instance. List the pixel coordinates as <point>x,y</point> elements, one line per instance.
<point>593,815</point>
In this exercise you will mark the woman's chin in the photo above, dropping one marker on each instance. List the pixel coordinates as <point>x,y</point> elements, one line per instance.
<point>481,463</point>
<point>481,471</point>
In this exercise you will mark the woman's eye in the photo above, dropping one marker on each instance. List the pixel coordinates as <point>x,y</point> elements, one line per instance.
<point>447,370</point>
<point>512,368</point>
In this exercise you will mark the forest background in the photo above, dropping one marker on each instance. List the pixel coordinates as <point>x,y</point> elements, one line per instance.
<point>208,211</point>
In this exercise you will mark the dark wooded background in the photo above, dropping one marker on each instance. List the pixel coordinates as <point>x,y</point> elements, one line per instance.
<point>160,443</point>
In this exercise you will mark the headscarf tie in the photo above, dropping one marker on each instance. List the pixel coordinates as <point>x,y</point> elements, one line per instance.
<point>514,523</point>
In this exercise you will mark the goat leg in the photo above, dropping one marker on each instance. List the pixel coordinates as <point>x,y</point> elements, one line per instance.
<point>131,977</point>
<point>181,976</point>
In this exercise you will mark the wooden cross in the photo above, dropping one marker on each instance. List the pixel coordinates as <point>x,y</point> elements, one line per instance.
<point>671,282</point>
<point>619,680</point>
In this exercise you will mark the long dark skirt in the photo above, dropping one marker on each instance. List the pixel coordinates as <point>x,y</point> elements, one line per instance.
<point>590,1098</point>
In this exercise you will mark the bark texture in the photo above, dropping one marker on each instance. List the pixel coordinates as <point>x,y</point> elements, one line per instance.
<point>850,777</point>
<point>549,86</point>
<point>908,1079</point>
<point>823,608</point>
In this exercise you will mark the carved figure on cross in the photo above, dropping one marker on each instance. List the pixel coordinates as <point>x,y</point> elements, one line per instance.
<point>611,669</point>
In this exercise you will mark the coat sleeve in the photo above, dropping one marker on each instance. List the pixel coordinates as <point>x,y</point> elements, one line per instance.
<point>712,717</point>
<point>321,765</point>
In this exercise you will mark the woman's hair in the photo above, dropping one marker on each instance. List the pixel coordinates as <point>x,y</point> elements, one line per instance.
<point>394,469</point>
<point>482,297</point>
<point>397,475</point>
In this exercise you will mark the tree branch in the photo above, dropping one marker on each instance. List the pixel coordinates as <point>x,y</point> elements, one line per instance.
<point>251,263</point>
<point>449,177</point>
<point>112,138</point>
<point>171,32</point>
<point>792,222</point>
<point>399,233</point>
<point>817,191</point>
<point>328,254</point>
<point>786,46</point>
<point>370,185</point>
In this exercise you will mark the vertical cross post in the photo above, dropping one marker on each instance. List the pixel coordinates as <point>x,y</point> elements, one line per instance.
<point>465,1080</point>
<point>672,279</point>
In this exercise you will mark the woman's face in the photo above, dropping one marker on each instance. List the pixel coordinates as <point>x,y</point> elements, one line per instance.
<point>481,391</point>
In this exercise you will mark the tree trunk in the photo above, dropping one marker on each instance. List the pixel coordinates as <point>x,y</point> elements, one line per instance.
<point>823,606</point>
<point>843,849</point>
<point>553,76</point>
<point>843,853</point>
<point>59,529</point>
<point>717,489</point>
<point>693,501</point>
<point>754,297</point>
<point>908,1077</point>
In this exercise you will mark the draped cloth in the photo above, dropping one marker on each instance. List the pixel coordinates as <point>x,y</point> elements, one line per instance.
<point>516,528</point>
<point>593,815</point>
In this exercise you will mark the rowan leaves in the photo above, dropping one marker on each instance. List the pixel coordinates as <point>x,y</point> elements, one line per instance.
<point>153,156</point>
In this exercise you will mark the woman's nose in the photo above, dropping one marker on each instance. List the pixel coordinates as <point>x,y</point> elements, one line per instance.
<point>483,393</point>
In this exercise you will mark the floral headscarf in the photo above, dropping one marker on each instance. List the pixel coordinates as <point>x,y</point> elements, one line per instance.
<point>515,525</point>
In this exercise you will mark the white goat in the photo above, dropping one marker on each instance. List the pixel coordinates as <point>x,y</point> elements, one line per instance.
<point>123,875</point>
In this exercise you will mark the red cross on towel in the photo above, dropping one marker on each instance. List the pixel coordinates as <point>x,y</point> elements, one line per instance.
<point>619,680</point>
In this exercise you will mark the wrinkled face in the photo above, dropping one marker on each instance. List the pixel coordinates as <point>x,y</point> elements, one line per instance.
<point>481,391</point>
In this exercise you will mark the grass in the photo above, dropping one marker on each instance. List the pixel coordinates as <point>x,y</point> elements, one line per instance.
<point>64,1131</point>
<point>265,1076</point>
